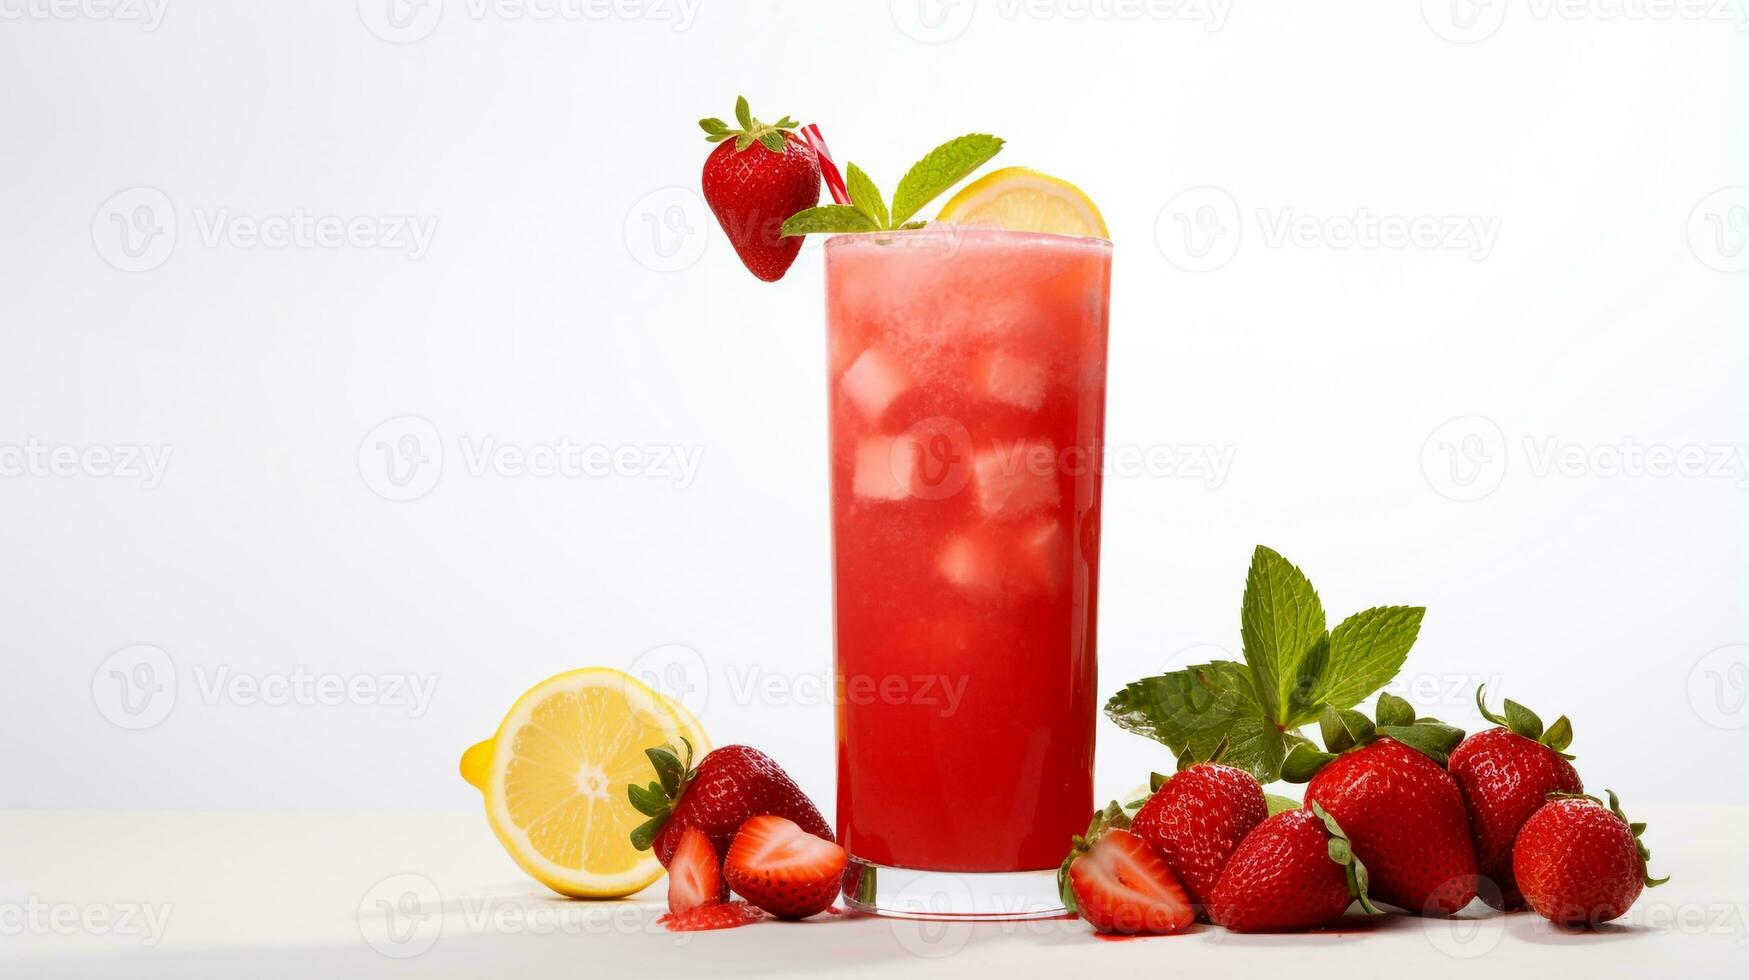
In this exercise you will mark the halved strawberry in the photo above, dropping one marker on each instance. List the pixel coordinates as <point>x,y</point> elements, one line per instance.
<point>723,915</point>
<point>1123,885</point>
<point>694,876</point>
<point>783,869</point>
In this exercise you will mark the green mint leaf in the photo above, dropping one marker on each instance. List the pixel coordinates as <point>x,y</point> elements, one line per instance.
<point>743,113</point>
<point>1302,703</point>
<point>1280,804</point>
<point>1256,745</point>
<point>865,196</point>
<point>1188,710</point>
<point>827,219</point>
<point>1523,720</point>
<point>1282,620</point>
<point>1393,710</point>
<point>941,168</point>
<point>1366,651</point>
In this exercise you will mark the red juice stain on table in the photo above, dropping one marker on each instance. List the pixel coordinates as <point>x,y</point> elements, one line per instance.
<point>725,915</point>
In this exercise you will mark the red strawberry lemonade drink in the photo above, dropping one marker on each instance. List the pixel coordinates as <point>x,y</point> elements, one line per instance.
<point>967,412</point>
<point>967,409</point>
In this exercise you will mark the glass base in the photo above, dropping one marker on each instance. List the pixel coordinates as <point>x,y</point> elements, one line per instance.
<point>907,893</point>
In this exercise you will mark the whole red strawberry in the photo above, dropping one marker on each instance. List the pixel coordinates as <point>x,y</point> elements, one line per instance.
<point>1294,870</point>
<point>1407,821</point>
<point>1197,818</point>
<point>759,175</point>
<point>1579,864</point>
<point>1384,784</point>
<point>1506,774</point>
<point>730,785</point>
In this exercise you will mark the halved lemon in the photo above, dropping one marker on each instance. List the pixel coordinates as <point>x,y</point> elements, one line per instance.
<point>1019,199</point>
<point>555,776</point>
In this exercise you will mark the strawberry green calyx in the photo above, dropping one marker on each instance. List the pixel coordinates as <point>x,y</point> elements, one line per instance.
<point>768,135</point>
<point>1345,730</point>
<point>657,800</point>
<point>1114,816</point>
<point>1522,721</point>
<point>1343,854</point>
<point>1637,829</point>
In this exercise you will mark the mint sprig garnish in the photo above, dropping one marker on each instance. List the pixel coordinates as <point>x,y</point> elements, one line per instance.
<point>1295,669</point>
<point>768,135</point>
<point>928,178</point>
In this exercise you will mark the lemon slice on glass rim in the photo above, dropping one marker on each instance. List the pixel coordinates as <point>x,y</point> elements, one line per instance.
<point>554,778</point>
<point>1020,199</point>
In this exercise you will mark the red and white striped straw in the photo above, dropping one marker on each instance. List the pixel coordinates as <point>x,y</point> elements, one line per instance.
<point>828,169</point>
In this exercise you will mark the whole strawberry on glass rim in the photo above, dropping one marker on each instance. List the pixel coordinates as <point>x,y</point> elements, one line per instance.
<point>758,176</point>
<point>1506,774</point>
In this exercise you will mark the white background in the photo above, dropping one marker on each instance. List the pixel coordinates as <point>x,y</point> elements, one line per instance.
<point>573,287</point>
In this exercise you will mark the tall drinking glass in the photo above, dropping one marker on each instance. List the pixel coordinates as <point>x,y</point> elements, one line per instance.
<point>967,390</point>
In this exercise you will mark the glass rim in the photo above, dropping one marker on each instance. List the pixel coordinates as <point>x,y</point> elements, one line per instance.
<point>938,230</point>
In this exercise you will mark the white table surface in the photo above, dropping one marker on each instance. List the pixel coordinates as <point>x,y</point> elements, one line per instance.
<point>260,895</point>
